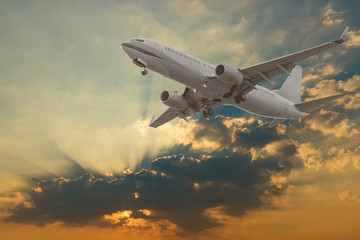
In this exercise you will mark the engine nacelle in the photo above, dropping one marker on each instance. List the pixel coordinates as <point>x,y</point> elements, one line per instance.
<point>228,74</point>
<point>174,100</point>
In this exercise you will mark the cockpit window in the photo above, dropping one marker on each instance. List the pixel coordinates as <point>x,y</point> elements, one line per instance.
<point>138,40</point>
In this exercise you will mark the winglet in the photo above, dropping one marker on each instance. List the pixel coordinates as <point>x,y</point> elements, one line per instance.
<point>152,120</point>
<point>343,36</point>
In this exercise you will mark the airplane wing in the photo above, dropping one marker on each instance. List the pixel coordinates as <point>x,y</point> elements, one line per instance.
<point>195,103</point>
<point>168,115</point>
<point>273,68</point>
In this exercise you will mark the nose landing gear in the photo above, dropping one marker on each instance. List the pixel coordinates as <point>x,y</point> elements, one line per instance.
<point>144,72</point>
<point>141,63</point>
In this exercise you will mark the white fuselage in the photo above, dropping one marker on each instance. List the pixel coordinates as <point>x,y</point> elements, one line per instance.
<point>194,73</point>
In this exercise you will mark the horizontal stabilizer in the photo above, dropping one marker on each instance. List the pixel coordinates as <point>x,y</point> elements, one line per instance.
<point>276,122</point>
<point>306,106</point>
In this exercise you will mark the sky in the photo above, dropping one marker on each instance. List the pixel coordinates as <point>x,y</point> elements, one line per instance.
<point>77,159</point>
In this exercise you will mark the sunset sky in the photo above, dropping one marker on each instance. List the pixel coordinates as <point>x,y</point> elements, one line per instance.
<point>77,159</point>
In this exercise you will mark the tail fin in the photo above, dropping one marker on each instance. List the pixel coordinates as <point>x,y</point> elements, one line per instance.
<point>306,106</point>
<point>291,88</point>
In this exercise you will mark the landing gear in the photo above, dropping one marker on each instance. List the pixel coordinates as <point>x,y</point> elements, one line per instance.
<point>141,63</point>
<point>240,97</point>
<point>144,72</point>
<point>207,112</point>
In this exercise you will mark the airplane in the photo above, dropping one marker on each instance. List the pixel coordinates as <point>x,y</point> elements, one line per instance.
<point>208,86</point>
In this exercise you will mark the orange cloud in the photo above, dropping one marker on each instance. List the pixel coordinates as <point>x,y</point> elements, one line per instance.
<point>354,39</point>
<point>321,71</point>
<point>311,156</point>
<point>342,159</point>
<point>326,88</point>
<point>331,16</point>
<point>116,217</point>
<point>348,196</point>
<point>331,123</point>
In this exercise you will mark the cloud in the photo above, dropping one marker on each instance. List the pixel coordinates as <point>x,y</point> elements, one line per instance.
<point>325,88</point>
<point>329,123</point>
<point>346,195</point>
<point>354,102</point>
<point>176,193</point>
<point>321,71</point>
<point>341,160</point>
<point>311,157</point>
<point>331,16</point>
<point>354,39</point>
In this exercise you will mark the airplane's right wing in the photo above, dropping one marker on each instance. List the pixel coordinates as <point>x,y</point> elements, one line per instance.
<point>273,68</point>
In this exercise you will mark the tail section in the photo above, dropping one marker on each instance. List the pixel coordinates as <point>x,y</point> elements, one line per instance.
<point>306,106</point>
<point>291,89</point>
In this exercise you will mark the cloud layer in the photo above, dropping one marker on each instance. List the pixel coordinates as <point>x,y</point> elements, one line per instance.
<point>178,189</point>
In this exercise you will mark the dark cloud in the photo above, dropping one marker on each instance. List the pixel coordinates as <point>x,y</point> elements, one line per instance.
<point>179,188</point>
<point>324,119</point>
<point>288,150</point>
<point>256,135</point>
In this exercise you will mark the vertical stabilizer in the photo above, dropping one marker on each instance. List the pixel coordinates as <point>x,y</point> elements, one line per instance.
<point>291,89</point>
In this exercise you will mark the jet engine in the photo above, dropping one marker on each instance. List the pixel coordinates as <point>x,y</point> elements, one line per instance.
<point>228,74</point>
<point>174,100</point>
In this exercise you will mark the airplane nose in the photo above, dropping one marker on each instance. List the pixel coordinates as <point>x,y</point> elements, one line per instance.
<point>127,48</point>
<point>124,46</point>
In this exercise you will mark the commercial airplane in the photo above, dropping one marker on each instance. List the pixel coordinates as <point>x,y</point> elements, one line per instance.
<point>208,86</point>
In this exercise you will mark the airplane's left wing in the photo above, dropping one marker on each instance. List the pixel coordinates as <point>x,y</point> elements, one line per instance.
<point>273,68</point>
<point>194,103</point>
<point>168,115</point>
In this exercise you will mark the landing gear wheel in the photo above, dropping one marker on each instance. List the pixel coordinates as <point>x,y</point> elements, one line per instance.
<point>144,72</point>
<point>240,98</point>
<point>205,113</point>
<point>210,111</point>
